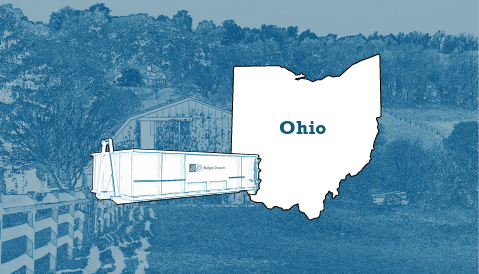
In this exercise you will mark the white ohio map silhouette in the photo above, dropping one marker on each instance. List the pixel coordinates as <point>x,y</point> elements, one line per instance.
<point>309,134</point>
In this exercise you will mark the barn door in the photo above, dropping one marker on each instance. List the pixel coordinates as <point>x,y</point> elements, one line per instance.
<point>147,134</point>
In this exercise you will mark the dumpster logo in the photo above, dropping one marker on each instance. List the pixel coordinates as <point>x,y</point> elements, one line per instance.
<point>195,168</point>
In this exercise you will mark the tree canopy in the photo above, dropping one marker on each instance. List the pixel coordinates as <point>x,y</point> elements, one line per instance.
<point>61,96</point>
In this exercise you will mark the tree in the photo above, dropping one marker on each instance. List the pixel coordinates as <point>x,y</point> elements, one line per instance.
<point>162,18</point>
<point>100,8</point>
<point>57,137</point>
<point>183,21</point>
<point>232,34</point>
<point>14,26</point>
<point>58,19</point>
<point>201,76</point>
<point>58,119</point>
<point>462,147</point>
<point>274,32</point>
<point>130,77</point>
<point>292,32</point>
<point>68,16</point>
<point>406,166</point>
<point>307,34</point>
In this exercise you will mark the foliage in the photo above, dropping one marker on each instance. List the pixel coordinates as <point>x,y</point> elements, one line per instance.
<point>183,21</point>
<point>63,106</point>
<point>63,98</point>
<point>130,77</point>
<point>232,34</point>
<point>58,138</point>
<point>401,165</point>
<point>417,68</point>
<point>462,144</point>
<point>462,147</point>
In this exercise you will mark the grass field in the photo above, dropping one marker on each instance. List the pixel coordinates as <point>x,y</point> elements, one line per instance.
<point>258,240</point>
<point>347,238</point>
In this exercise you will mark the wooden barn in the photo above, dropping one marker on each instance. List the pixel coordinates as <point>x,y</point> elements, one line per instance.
<point>184,125</point>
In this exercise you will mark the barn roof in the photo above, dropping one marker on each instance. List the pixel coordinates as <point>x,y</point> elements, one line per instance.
<point>164,106</point>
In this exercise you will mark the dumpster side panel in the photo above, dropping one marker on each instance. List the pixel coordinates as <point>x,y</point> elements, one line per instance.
<point>95,173</point>
<point>146,173</point>
<point>146,166</point>
<point>142,175</point>
<point>101,174</point>
<point>248,171</point>
<point>173,167</point>
<point>125,174</point>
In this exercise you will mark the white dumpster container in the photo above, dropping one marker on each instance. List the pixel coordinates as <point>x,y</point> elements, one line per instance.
<point>144,175</point>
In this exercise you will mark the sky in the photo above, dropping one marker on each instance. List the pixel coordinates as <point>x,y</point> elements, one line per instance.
<point>341,17</point>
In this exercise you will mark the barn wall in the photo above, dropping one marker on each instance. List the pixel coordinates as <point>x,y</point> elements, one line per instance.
<point>208,131</point>
<point>127,138</point>
<point>174,110</point>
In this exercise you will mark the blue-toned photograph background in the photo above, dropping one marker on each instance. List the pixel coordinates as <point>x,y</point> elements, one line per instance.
<point>86,75</point>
